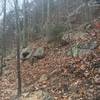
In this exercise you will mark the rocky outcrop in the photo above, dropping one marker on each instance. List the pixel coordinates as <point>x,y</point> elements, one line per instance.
<point>88,45</point>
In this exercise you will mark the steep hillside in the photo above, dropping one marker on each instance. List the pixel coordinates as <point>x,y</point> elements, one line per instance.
<point>64,77</point>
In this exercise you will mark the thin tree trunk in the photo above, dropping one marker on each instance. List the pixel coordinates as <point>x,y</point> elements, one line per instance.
<point>1,66</point>
<point>69,29</point>
<point>18,50</point>
<point>48,11</point>
<point>42,18</point>
<point>3,37</point>
<point>42,12</point>
<point>4,30</point>
<point>48,18</point>
<point>25,25</point>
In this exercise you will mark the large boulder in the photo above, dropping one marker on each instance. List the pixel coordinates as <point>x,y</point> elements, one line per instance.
<point>75,51</point>
<point>39,53</point>
<point>26,53</point>
<point>88,45</point>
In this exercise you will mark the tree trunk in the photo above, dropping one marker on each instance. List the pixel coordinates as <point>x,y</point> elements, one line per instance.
<point>48,11</point>
<point>25,35</point>
<point>4,29</point>
<point>3,37</point>
<point>1,66</point>
<point>18,50</point>
<point>42,12</point>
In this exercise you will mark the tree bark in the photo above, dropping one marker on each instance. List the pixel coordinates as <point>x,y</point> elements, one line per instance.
<point>4,30</point>
<point>3,38</point>
<point>18,50</point>
<point>25,24</point>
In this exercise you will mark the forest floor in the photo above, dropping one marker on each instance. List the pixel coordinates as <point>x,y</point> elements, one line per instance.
<point>65,77</point>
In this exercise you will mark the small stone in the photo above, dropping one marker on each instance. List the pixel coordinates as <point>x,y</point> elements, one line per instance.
<point>43,78</point>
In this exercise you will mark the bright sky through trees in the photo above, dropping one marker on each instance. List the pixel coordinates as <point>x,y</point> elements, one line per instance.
<point>10,5</point>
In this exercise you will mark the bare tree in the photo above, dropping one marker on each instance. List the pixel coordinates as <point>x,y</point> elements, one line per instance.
<point>42,12</point>
<point>48,11</point>
<point>1,66</point>
<point>4,28</point>
<point>18,48</point>
<point>3,37</point>
<point>25,35</point>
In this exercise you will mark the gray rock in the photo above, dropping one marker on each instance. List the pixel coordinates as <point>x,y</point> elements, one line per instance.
<point>26,53</point>
<point>88,45</point>
<point>75,51</point>
<point>39,53</point>
<point>86,48</point>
